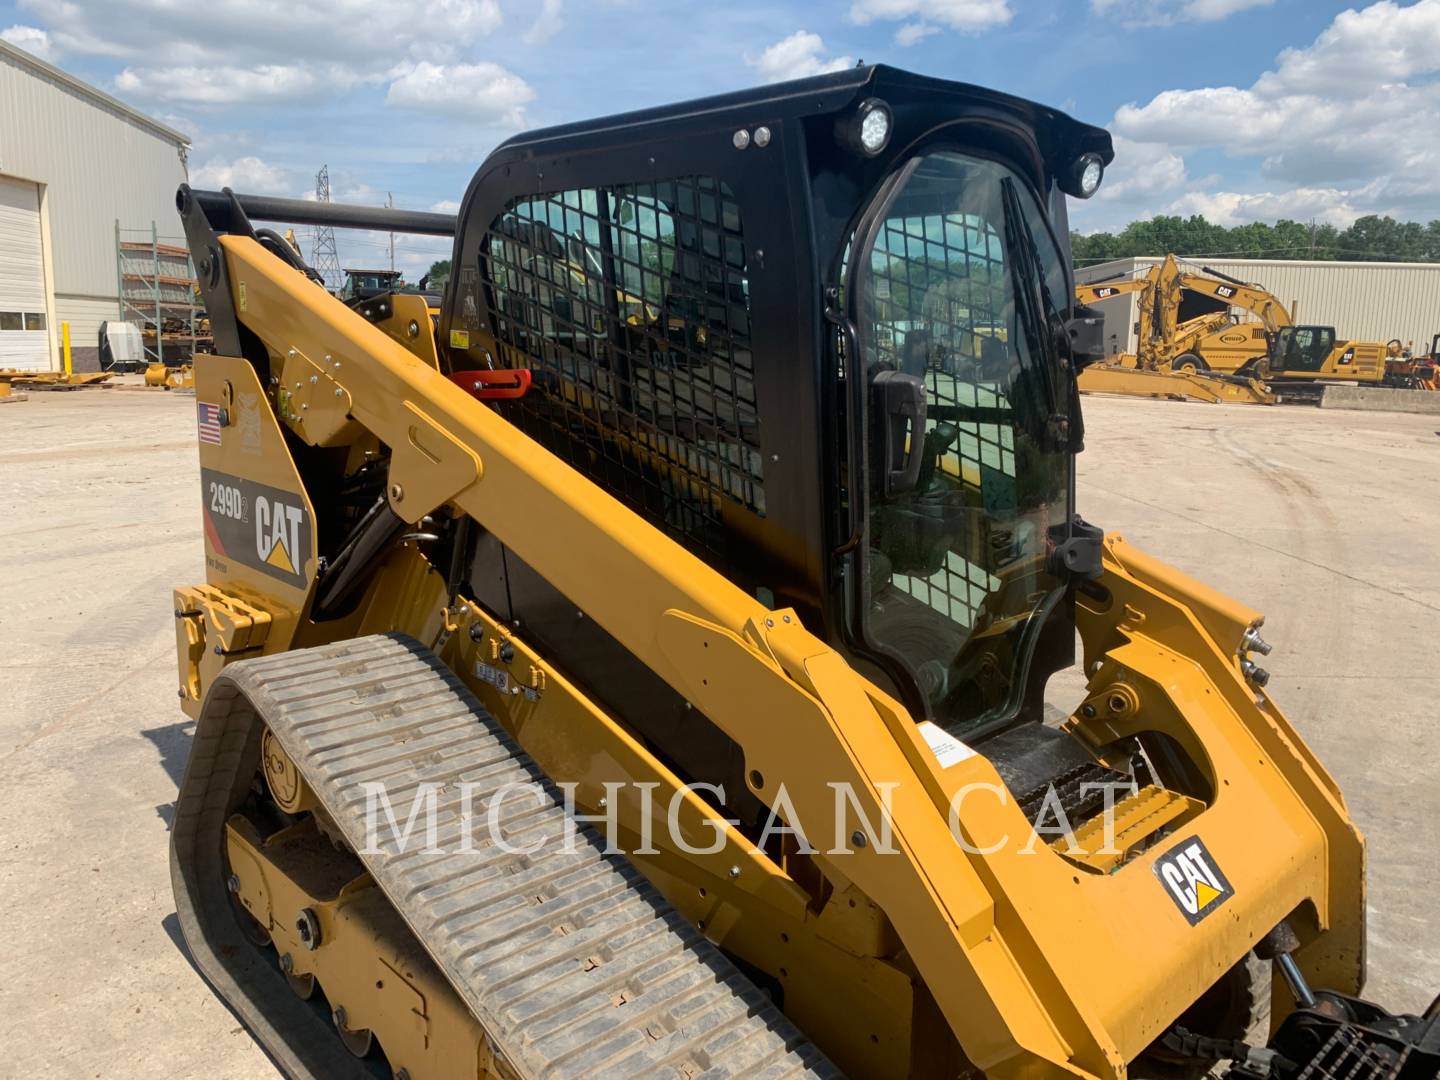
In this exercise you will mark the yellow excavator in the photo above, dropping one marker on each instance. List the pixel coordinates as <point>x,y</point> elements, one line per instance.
<point>1245,354</point>
<point>585,690</point>
<point>1167,363</point>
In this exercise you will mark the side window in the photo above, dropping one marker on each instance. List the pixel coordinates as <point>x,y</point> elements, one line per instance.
<point>631,306</point>
<point>547,274</point>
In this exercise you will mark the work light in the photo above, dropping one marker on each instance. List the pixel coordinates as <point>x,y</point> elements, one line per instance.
<point>1086,172</point>
<point>867,130</point>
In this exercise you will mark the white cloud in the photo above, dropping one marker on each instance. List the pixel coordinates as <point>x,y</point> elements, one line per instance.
<point>967,15</point>
<point>1323,134</point>
<point>549,22</point>
<point>1382,44</point>
<point>228,85</point>
<point>1141,170</point>
<point>483,91</point>
<point>910,33</point>
<point>797,57</point>
<point>445,206</point>
<point>1212,115</point>
<point>246,174</point>
<point>32,39</point>
<point>241,32</point>
<point>239,52</point>
<point>1168,12</point>
<point>1325,205</point>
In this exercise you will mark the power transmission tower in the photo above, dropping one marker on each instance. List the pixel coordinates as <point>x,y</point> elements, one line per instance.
<point>323,256</point>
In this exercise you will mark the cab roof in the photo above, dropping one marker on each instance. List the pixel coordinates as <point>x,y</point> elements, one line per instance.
<point>1059,135</point>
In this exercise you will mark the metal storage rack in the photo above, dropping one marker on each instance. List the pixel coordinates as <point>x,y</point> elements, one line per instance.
<point>156,285</point>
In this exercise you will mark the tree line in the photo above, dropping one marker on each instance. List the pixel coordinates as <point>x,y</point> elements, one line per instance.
<point>1369,239</point>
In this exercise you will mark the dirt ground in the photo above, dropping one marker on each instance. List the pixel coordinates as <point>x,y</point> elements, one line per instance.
<point>1326,520</point>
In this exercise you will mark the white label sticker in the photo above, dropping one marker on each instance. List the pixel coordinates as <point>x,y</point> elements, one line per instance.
<point>948,749</point>
<point>496,677</point>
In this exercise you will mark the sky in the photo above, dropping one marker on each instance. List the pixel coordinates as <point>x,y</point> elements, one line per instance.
<point>1240,110</point>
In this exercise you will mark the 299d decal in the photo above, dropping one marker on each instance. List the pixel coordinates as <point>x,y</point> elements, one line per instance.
<point>262,527</point>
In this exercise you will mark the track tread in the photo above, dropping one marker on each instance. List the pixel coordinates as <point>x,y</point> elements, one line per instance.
<point>572,961</point>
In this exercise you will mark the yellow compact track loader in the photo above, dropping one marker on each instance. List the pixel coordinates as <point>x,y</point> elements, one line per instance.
<point>641,670</point>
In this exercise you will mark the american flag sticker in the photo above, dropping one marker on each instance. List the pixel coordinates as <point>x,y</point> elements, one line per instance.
<point>208,421</point>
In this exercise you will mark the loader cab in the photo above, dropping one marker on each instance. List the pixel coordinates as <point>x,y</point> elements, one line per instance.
<point>817,332</point>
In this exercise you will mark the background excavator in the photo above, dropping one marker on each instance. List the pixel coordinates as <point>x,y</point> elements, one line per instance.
<point>1270,349</point>
<point>593,688</point>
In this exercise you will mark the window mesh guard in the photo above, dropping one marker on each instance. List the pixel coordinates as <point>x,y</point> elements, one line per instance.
<point>630,304</point>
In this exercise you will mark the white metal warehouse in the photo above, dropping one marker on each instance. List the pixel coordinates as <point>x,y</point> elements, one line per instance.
<point>73,162</point>
<point>1363,301</point>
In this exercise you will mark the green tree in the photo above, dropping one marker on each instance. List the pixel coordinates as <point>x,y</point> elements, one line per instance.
<point>439,273</point>
<point>1432,241</point>
<point>1370,238</point>
<point>1373,237</point>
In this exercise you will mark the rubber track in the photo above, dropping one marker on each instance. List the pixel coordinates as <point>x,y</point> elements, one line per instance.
<point>573,962</point>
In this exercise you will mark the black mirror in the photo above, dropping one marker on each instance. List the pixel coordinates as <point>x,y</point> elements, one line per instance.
<point>897,402</point>
<point>1085,335</point>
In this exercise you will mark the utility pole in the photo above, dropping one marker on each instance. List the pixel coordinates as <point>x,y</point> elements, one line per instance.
<point>390,203</point>
<point>323,256</point>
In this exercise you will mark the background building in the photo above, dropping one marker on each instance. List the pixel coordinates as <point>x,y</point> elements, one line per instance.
<point>1363,301</point>
<point>73,162</point>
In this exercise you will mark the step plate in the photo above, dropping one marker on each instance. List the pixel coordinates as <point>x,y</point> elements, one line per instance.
<point>573,962</point>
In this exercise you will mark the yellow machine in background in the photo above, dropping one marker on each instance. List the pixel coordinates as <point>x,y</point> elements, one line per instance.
<point>1165,366</point>
<point>756,601</point>
<point>170,376</point>
<point>1272,350</point>
<point>33,379</point>
<point>1164,341</point>
<point>1274,347</point>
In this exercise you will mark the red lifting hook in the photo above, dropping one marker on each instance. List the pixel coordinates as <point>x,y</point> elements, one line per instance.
<point>496,385</point>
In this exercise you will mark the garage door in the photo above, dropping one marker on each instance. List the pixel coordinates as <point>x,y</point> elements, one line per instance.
<point>24,342</point>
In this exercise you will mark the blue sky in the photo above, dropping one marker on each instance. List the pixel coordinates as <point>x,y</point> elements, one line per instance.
<point>1238,109</point>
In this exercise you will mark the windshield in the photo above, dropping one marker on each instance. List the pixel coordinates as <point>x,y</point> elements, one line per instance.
<point>958,290</point>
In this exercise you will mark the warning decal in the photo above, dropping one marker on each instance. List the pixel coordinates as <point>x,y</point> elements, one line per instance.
<point>948,749</point>
<point>1193,879</point>
<point>265,528</point>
